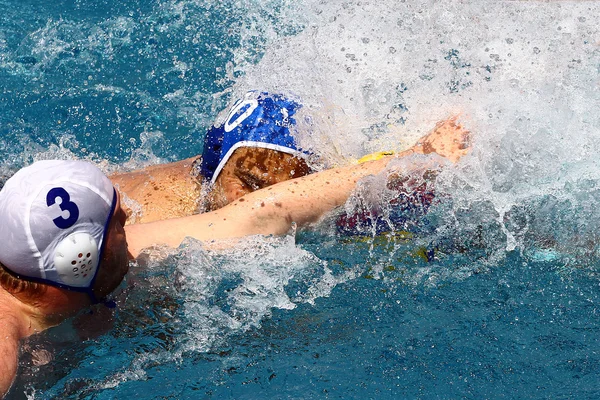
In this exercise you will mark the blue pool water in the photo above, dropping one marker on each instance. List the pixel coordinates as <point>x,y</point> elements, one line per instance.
<point>507,308</point>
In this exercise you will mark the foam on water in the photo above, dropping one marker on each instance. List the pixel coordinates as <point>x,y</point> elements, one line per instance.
<point>523,76</point>
<point>394,69</point>
<point>234,289</point>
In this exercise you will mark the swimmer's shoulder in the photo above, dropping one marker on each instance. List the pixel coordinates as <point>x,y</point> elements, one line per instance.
<point>160,191</point>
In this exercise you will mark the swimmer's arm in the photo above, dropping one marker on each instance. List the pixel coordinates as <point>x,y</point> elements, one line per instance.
<point>9,352</point>
<point>303,200</point>
<point>267,211</point>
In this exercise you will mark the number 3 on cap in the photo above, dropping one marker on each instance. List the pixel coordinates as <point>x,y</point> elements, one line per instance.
<point>65,205</point>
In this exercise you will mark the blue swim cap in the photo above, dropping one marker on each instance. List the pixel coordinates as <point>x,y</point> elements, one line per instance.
<point>259,120</point>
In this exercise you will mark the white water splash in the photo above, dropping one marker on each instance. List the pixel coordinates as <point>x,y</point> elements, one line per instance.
<point>524,77</point>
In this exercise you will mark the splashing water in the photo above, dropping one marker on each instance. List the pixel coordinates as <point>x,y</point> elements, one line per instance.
<point>522,75</point>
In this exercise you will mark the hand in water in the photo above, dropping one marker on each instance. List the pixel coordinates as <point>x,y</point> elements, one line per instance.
<point>415,181</point>
<point>448,139</point>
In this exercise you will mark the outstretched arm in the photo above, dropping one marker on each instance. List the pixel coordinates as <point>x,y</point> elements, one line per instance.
<point>267,211</point>
<point>303,200</point>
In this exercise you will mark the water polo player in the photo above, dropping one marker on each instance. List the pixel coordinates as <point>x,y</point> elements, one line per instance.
<point>63,248</point>
<point>251,148</point>
<point>65,245</point>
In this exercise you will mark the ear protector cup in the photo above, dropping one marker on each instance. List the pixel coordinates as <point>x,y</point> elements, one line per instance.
<point>76,259</point>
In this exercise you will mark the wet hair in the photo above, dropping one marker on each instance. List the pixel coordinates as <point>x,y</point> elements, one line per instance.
<point>14,284</point>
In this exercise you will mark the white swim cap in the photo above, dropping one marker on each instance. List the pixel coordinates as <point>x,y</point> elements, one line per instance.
<point>53,218</point>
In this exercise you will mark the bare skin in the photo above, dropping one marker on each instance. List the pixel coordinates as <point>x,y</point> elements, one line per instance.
<point>449,139</point>
<point>161,191</point>
<point>270,210</point>
<point>171,191</point>
<point>12,329</point>
<point>267,211</point>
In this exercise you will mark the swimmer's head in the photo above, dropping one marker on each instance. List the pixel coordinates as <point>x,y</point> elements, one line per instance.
<point>62,225</point>
<point>252,148</point>
<point>250,169</point>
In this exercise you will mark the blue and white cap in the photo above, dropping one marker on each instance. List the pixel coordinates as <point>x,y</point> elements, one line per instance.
<point>53,219</point>
<point>259,120</point>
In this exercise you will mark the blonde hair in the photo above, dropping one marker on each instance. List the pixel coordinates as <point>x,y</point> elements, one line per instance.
<point>14,284</point>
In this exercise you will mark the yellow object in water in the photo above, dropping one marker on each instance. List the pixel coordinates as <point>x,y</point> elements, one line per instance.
<point>375,156</point>
<point>420,252</point>
<point>387,238</point>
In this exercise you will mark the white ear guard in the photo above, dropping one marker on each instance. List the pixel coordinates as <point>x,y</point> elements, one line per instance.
<point>76,259</point>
